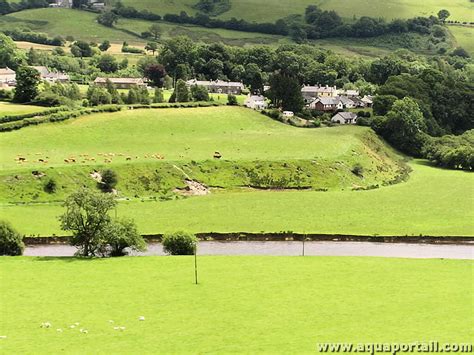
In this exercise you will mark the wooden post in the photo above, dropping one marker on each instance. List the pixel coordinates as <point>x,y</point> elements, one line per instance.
<point>195,264</point>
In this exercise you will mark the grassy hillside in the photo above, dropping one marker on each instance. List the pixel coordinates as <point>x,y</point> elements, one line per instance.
<point>464,37</point>
<point>257,304</point>
<point>9,109</point>
<point>432,202</point>
<point>83,25</point>
<point>271,10</point>
<point>250,143</point>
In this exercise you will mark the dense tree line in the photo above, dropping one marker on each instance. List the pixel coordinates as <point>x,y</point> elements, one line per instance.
<point>9,7</point>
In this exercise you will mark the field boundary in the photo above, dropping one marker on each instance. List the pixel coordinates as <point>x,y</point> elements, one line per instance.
<point>287,236</point>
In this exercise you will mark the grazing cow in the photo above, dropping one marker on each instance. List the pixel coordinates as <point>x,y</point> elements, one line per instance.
<point>129,158</point>
<point>217,155</point>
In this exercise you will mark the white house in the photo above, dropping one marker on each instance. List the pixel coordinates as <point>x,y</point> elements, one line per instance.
<point>326,104</point>
<point>288,114</point>
<point>344,118</point>
<point>367,100</point>
<point>7,76</point>
<point>256,102</point>
<point>312,92</point>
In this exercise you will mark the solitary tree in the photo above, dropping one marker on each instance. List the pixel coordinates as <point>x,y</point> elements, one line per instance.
<point>87,217</point>
<point>155,73</point>
<point>443,14</point>
<point>27,81</point>
<point>155,30</point>
<point>107,18</point>
<point>151,47</point>
<point>109,180</point>
<point>104,46</point>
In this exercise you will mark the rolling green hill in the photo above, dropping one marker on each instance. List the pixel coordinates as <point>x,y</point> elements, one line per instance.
<point>254,149</point>
<point>271,10</point>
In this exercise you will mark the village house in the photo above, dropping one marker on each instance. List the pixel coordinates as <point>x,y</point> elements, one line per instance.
<point>367,100</point>
<point>121,83</point>
<point>312,92</point>
<point>61,3</point>
<point>218,86</point>
<point>50,76</point>
<point>348,93</point>
<point>326,104</point>
<point>347,102</point>
<point>344,118</point>
<point>7,77</point>
<point>256,102</point>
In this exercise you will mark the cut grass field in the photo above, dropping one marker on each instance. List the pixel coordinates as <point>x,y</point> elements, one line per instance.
<point>271,10</point>
<point>242,304</point>
<point>10,109</point>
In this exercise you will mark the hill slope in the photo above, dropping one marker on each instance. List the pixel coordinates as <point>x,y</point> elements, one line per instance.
<point>271,10</point>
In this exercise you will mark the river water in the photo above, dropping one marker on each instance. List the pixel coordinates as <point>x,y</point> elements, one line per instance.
<point>295,248</point>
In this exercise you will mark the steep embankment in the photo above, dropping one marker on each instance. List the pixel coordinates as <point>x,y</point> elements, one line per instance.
<point>157,152</point>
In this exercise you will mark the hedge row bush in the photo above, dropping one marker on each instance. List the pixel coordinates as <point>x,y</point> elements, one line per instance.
<point>11,242</point>
<point>12,118</point>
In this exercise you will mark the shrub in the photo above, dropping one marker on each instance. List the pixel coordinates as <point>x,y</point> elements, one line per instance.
<point>11,242</point>
<point>232,100</point>
<point>109,180</point>
<point>121,235</point>
<point>358,170</point>
<point>50,186</point>
<point>179,243</point>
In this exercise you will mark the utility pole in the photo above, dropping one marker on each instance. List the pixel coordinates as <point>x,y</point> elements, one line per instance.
<point>195,264</point>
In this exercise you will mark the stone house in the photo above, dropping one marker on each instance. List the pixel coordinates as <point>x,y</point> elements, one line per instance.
<point>121,83</point>
<point>256,102</point>
<point>344,118</point>
<point>218,86</point>
<point>7,77</point>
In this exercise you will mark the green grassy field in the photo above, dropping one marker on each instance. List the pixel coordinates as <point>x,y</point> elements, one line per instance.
<point>83,25</point>
<point>464,37</point>
<point>242,304</point>
<point>8,109</point>
<point>271,10</point>
<point>433,202</point>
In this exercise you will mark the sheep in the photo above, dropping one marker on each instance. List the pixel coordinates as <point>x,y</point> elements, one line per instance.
<point>141,318</point>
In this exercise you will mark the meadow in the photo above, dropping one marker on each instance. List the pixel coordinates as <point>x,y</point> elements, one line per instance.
<point>10,109</point>
<point>432,202</point>
<point>464,37</point>
<point>241,304</point>
<point>272,10</point>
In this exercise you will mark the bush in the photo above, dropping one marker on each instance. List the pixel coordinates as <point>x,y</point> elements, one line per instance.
<point>232,100</point>
<point>11,242</point>
<point>109,180</point>
<point>179,243</point>
<point>358,170</point>
<point>50,186</point>
<point>122,235</point>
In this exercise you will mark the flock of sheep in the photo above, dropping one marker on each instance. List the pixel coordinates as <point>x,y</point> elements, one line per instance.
<point>47,325</point>
<point>85,158</point>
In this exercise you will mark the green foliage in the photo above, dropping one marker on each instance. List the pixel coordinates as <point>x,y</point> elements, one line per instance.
<point>179,243</point>
<point>200,93</point>
<point>81,49</point>
<point>181,92</point>
<point>232,100</point>
<point>404,126</point>
<point>27,81</point>
<point>158,96</point>
<point>453,152</point>
<point>87,217</point>
<point>121,236</point>
<point>50,186</point>
<point>383,103</point>
<point>213,7</point>
<point>11,242</point>
<point>104,46</point>
<point>98,96</point>
<point>155,73</point>
<point>107,18</point>
<point>109,180</point>
<point>285,92</point>
<point>155,31</point>
<point>108,63</point>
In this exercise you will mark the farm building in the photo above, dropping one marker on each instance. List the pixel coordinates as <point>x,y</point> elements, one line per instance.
<point>344,118</point>
<point>312,92</point>
<point>256,102</point>
<point>121,83</point>
<point>50,76</point>
<point>218,86</point>
<point>324,104</point>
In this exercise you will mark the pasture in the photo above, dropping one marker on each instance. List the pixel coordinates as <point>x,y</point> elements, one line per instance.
<point>242,304</point>
<point>432,202</point>
<point>10,109</point>
<point>271,10</point>
<point>464,37</point>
